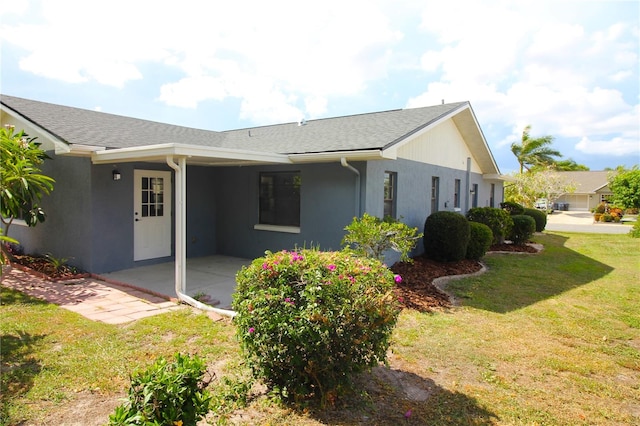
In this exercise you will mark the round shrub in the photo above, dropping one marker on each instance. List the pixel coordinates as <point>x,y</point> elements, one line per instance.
<point>446,236</point>
<point>539,216</point>
<point>480,238</point>
<point>523,228</point>
<point>512,208</point>
<point>498,220</point>
<point>307,320</point>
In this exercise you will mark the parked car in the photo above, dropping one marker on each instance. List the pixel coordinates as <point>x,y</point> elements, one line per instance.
<point>544,204</point>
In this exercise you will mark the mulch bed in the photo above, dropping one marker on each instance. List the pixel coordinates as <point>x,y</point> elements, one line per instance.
<point>417,291</point>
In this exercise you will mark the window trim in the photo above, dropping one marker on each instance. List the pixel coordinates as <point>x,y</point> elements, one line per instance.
<point>393,179</point>
<point>456,193</point>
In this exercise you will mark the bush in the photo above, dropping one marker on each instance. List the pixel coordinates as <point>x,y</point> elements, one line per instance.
<point>165,394</point>
<point>372,236</point>
<point>446,236</point>
<point>523,228</point>
<point>308,320</point>
<point>539,216</point>
<point>497,220</point>
<point>635,231</point>
<point>480,238</point>
<point>512,208</point>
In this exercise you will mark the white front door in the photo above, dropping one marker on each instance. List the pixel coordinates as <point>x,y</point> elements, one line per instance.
<point>152,214</point>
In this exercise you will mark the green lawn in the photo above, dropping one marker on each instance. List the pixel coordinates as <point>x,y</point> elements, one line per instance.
<point>552,338</point>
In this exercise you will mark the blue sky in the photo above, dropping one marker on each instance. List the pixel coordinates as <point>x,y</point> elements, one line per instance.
<point>568,68</point>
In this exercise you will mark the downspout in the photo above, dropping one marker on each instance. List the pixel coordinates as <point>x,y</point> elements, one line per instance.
<point>181,239</point>
<point>344,163</point>
<point>468,185</point>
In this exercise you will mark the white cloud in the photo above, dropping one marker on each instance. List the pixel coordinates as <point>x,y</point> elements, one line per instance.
<point>617,147</point>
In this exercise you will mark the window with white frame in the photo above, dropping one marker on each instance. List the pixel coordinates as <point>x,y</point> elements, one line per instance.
<point>456,194</point>
<point>390,179</point>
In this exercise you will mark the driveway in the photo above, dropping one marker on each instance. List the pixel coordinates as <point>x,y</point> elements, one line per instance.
<point>576,221</point>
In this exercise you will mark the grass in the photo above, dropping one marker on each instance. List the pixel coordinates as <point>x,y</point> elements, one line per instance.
<point>549,339</point>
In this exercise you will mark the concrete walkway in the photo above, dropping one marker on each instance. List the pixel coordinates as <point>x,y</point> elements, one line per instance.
<point>575,221</point>
<point>94,299</point>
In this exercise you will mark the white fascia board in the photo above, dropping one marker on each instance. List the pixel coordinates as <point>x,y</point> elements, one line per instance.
<point>158,152</point>
<point>83,150</point>
<point>326,157</point>
<point>495,176</point>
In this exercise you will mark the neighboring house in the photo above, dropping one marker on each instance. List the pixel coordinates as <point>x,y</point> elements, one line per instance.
<point>591,189</point>
<point>131,192</point>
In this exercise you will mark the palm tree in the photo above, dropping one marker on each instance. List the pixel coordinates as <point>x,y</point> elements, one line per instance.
<point>534,151</point>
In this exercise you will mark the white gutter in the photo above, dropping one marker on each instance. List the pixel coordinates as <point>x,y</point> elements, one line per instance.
<point>181,240</point>
<point>344,163</point>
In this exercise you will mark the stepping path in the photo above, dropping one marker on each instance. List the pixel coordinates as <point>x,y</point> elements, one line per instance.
<point>94,299</point>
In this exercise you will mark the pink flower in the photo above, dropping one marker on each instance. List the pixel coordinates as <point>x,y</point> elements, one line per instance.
<point>331,267</point>
<point>288,300</point>
<point>397,279</point>
<point>251,330</point>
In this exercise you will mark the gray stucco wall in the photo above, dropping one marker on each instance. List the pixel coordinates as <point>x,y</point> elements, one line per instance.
<point>413,198</point>
<point>90,216</point>
<point>327,206</point>
<point>65,233</point>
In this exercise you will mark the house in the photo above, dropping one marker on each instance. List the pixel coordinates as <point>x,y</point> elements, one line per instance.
<point>591,189</point>
<point>133,192</point>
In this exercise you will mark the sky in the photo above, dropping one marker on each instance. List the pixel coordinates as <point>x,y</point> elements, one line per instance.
<point>570,69</point>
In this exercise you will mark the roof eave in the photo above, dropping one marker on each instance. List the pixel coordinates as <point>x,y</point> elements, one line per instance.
<point>193,153</point>
<point>326,157</point>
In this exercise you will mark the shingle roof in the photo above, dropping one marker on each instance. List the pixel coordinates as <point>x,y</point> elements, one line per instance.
<point>376,130</point>
<point>587,182</point>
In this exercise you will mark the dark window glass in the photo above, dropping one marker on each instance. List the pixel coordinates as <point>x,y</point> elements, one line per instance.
<point>390,194</point>
<point>280,198</point>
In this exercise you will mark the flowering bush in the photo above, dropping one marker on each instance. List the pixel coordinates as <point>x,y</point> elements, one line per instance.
<point>309,319</point>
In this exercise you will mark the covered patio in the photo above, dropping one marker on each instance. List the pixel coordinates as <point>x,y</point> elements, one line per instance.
<point>212,276</point>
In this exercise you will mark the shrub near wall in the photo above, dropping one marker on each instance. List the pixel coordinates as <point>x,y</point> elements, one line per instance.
<point>446,236</point>
<point>307,320</point>
<point>523,228</point>
<point>496,219</point>
<point>480,238</point>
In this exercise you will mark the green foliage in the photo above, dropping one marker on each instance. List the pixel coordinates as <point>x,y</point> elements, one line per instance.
<point>539,216</point>
<point>480,238</point>
<point>308,320</point>
<point>512,208</point>
<point>625,186</point>
<point>21,183</point>
<point>446,236</point>
<point>635,231</point>
<point>166,394</point>
<point>534,152</point>
<point>372,236</point>
<point>523,228</point>
<point>498,220</point>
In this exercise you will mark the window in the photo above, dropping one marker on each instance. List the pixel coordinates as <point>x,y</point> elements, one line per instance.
<point>605,198</point>
<point>280,198</point>
<point>435,193</point>
<point>492,195</point>
<point>152,196</point>
<point>456,194</point>
<point>390,194</point>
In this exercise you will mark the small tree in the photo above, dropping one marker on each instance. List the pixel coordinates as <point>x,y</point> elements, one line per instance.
<point>372,236</point>
<point>21,184</point>
<point>530,186</point>
<point>625,186</point>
